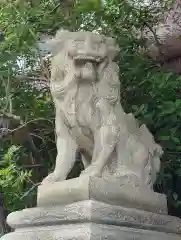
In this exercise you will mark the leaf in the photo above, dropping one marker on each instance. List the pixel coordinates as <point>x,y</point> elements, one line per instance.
<point>89,5</point>
<point>178,148</point>
<point>178,103</point>
<point>175,139</point>
<point>164,138</point>
<point>175,196</point>
<point>178,171</point>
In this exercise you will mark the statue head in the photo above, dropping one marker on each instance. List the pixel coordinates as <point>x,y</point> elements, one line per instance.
<point>84,46</point>
<point>87,56</point>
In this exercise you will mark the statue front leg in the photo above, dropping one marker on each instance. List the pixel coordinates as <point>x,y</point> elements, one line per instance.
<point>104,145</point>
<point>105,139</point>
<point>66,153</point>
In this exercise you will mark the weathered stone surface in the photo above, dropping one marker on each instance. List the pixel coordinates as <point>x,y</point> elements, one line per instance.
<point>87,231</point>
<point>95,212</point>
<point>85,87</point>
<point>109,191</point>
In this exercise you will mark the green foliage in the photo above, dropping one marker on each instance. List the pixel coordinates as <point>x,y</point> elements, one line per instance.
<point>13,178</point>
<point>155,100</point>
<point>152,94</point>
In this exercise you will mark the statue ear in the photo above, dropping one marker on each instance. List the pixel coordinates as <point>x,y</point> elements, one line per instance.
<point>54,46</point>
<point>57,43</point>
<point>113,53</point>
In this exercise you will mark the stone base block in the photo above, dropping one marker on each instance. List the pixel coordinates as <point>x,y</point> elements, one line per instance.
<point>109,191</point>
<point>91,220</point>
<point>87,231</point>
<point>97,209</point>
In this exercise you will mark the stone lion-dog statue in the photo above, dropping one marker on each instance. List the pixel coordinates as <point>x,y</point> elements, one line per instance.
<point>89,117</point>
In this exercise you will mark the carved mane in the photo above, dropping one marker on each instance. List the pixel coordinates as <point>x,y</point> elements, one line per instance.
<point>98,49</point>
<point>109,84</point>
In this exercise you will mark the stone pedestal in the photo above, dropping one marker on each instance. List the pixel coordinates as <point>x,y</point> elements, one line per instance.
<point>95,209</point>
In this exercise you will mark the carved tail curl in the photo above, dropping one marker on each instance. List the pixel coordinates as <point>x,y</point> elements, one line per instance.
<point>145,153</point>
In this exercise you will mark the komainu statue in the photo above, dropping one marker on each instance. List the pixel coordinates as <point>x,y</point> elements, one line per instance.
<point>89,117</point>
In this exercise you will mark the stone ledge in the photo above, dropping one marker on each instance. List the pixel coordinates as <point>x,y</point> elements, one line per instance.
<point>87,231</point>
<point>95,212</point>
<point>108,191</point>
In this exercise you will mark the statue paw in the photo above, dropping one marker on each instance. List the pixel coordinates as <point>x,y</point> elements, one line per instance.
<point>91,171</point>
<point>52,177</point>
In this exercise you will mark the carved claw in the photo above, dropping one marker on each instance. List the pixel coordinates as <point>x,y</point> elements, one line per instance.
<point>91,171</point>
<point>52,177</point>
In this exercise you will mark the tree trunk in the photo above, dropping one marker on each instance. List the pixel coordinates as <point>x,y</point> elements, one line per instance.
<point>168,34</point>
<point>3,225</point>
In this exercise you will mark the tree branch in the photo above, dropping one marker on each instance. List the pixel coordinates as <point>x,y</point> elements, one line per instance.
<point>158,44</point>
<point>29,191</point>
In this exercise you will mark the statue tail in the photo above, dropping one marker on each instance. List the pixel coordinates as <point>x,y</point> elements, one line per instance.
<point>137,151</point>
